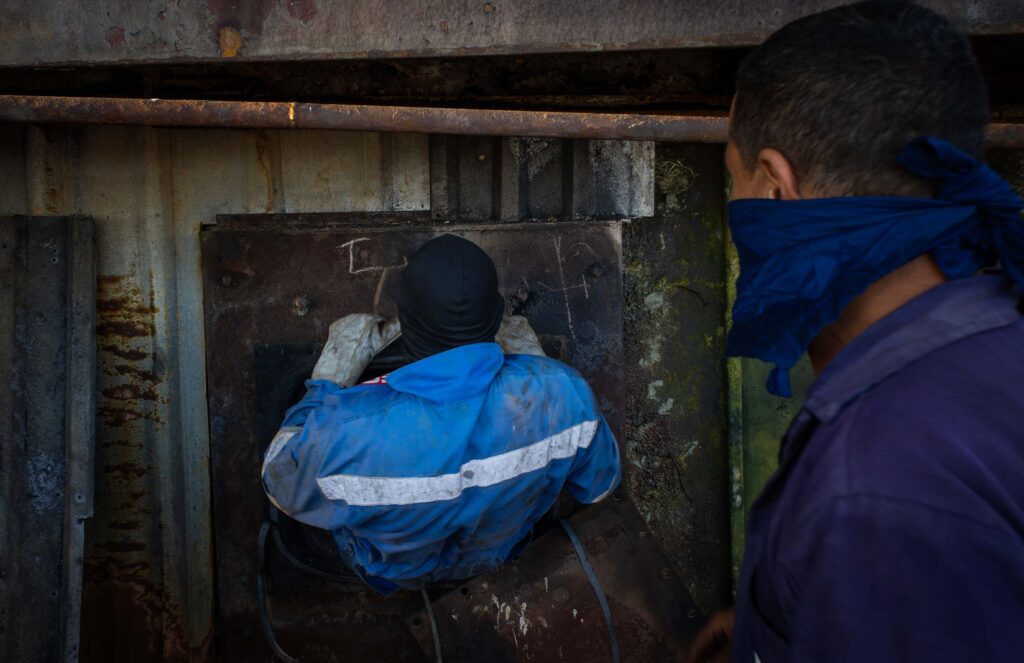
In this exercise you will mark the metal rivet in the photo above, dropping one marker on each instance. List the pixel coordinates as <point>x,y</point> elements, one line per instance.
<point>666,573</point>
<point>488,7</point>
<point>226,280</point>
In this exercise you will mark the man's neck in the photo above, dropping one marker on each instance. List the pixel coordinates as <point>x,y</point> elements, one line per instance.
<point>879,300</point>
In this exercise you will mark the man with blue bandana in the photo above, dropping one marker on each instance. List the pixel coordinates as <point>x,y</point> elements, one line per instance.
<point>439,470</point>
<point>871,235</point>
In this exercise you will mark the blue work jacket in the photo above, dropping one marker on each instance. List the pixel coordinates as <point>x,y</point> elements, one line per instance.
<point>440,470</point>
<point>893,529</point>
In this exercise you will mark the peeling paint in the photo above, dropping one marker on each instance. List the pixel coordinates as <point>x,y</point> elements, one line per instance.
<point>45,482</point>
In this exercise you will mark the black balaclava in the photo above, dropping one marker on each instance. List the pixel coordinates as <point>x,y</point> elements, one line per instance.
<point>449,297</point>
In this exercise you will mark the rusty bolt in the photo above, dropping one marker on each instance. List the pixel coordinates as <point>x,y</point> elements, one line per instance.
<point>300,305</point>
<point>488,7</point>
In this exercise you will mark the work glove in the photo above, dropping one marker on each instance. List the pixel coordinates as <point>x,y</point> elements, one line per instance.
<point>351,344</point>
<point>516,337</point>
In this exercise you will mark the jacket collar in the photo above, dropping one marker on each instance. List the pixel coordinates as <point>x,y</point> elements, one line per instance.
<point>452,375</point>
<point>939,317</point>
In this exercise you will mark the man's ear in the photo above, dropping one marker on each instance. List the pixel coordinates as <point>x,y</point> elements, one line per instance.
<point>779,176</point>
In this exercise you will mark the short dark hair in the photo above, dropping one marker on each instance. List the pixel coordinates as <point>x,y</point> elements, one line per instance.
<point>840,92</point>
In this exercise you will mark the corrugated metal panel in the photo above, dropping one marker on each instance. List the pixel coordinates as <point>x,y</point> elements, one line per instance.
<point>148,558</point>
<point>47,431</point>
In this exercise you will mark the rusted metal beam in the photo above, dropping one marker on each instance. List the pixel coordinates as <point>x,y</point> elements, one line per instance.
<point>402,119</point>
<point>683,128</point>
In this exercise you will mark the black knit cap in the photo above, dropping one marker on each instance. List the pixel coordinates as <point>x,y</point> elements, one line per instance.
<point>449,297</point>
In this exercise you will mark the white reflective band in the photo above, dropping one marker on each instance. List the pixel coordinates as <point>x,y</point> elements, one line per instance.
<point>281,439</point>
<point>396,491</point>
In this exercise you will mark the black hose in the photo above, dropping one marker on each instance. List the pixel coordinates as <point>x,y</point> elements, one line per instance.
<point>433,624</point>
<point>596,585</point>
<point>264,601</point>
<point>350,578</point>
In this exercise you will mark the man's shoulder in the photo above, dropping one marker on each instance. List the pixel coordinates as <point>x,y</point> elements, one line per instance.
<point>543,371</point>
<point>944,430</point>
<point>363,400</point>
<point>538,365</point>
<point>969,385</point>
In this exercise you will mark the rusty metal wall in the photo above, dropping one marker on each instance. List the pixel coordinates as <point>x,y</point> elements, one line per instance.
<point>65,31</point>
<point>148,583</point>
<point>148,593</point>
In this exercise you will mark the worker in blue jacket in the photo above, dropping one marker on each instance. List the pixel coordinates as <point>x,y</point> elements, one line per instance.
<point>439,470</point>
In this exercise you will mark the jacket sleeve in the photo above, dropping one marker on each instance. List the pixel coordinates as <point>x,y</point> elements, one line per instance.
<point>595,472</point>
<point>294,458</point>
<point>894,580</point>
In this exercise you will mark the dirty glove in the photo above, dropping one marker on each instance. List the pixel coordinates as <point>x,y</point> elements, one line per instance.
<point>516,337</point>
<point>352,343</point>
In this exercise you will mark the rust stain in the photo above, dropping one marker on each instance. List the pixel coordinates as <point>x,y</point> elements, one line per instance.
<point>130,354</point>
<point>118,597</point>
<point>230,42</point>
<point>123,328</point>
<point>126,470</point>
<point>123,589</point>
<point>136,372</point>
<point>304,10</point>
<point>131,392</point>
<point>248,16</point>
<point>115,36</point>
<point>125,525</point>
<point>118,416</point>
<point>122,546</point>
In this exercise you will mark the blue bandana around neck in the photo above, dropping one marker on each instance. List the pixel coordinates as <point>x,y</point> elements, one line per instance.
<point>803,261</point>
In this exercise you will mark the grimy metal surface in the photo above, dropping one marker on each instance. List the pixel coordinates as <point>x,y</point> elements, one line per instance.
<point>565,277</point>
<point>541,607</point>
<point>148,574</point>
<point>475,178</point>
<point>47,431</point>
<point>58,32</point>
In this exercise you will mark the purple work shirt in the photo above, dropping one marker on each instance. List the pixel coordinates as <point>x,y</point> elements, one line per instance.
<point>893,529</point>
